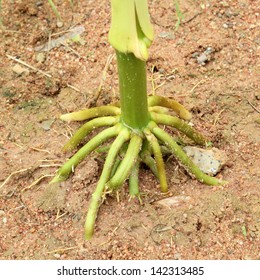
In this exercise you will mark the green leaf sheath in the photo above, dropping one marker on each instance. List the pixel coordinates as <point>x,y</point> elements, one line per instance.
<point>127,163</point>
<point>144,18</point>
<point>96,198</point>
<point>183,158</point>
<point>171,104</point>
<point>158,159</point>
<point>131,30</point>
<point>133,92</point>
<point>87,128</point>
<point>68,167</point>
<point>91,113</point>
<point>181,126</point>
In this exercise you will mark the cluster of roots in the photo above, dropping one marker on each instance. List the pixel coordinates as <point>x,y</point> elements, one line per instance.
<point>129,148</point>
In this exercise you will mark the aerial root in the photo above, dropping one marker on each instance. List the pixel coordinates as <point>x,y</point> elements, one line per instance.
<point>92,113</point>
<point>64,172</point>
<point>134,180</point>
<point>180,125</point>
<point>126,165</point>
<point>183,158</point>
<point>158,159</point>
<point>181,111</point>
<point>86,129</point>
<point>147,158</point>
<point>96,199</point>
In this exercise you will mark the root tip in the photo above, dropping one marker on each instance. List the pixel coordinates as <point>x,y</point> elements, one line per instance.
<point>186,115</point>
<point>223,183</point>
<point>65,117</point>
<point>88,235</point>
<point>56,179</point>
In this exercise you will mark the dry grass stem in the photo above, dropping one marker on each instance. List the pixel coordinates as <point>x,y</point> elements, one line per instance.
<point>13,173</point>
<point>28,65</point>
<point>58,216</point>
<point>36,69</point>
<point>62,250</point>
<point>200,82</point>
<point>50,165</point>
<point>104,75</point>
<point>41,150</point>
<point>217,117</point>
<point>36,182</point>
<point>253,107</point>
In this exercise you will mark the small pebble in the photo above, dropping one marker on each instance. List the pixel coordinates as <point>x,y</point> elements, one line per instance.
<point>228,25</point>
<point>40,57</point>
<point>203,58</point>
<point>57,256</point>
<point>177,256</point>
<point>59,24</point>
<point>240,242</point>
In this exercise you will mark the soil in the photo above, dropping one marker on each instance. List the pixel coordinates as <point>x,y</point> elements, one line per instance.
<point>209,63</point>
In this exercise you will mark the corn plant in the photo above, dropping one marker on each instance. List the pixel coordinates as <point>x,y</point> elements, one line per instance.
<point>135,123</point>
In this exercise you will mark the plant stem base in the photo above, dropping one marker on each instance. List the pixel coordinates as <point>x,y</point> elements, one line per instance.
<point>130,148</point>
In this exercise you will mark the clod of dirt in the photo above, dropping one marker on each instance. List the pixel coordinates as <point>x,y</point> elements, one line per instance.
<point>52,199</point>
<point>19,70</point>
<point>86,173</point>
<point>68,98</point>
<point>209,161</point>
<point>52,87</point>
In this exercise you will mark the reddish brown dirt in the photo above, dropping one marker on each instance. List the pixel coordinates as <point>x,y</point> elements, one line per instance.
<point>38,221</point>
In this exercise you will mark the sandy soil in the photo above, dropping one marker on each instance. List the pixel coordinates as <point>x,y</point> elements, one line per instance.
<point>41,221</point>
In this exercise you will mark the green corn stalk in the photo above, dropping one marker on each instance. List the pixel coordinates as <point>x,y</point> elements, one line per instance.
<point>135,124</point>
